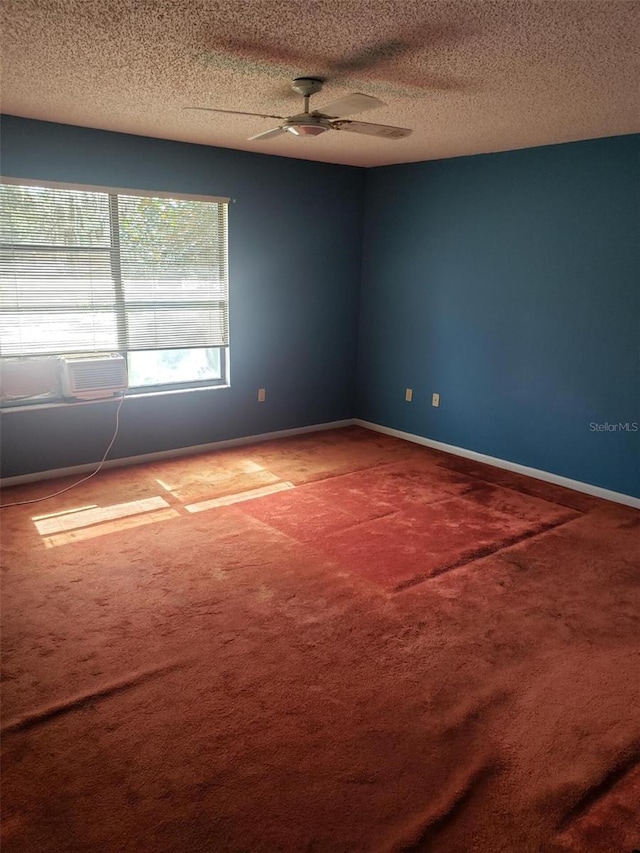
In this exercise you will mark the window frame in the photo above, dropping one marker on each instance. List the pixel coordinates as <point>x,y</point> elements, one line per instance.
<point>114,254</point>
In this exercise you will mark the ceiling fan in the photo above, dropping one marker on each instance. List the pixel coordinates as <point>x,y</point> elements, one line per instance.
<point>331,117</point>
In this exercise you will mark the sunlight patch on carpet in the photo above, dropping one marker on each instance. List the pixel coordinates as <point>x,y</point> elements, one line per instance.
<point>63,512</point>
<point>227,500</point>
<point>216,484</point>
<point>164,485</point>
<point>250,467</point>
<point>89,517</point>
<point>128,523</point>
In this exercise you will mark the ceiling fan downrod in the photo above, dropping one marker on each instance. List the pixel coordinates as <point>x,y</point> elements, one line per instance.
<point>313,126</point>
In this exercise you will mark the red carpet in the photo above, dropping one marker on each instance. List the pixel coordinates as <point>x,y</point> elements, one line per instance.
<point>340,642</point>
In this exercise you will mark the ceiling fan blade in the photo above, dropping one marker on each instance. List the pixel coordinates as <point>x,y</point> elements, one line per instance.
<point>232,112</point>
<point>275,131</point>
<point>384,131</point>
<point>349,105</point>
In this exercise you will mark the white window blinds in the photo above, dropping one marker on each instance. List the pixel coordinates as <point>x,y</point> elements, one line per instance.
<point>84,271</point>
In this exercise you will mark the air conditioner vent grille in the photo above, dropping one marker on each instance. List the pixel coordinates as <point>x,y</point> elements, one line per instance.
<point>91,378</point>
<point>87,377</point>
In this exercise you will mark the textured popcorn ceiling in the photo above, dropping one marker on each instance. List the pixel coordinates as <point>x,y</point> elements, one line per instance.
<point>468,76</point>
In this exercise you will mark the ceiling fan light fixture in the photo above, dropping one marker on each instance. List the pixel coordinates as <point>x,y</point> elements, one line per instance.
<point>307,124</point>
<point>306,129</point>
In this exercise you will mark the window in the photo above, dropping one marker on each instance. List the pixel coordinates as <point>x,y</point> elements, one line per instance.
<point>102,271</point>
<point>174,366</point>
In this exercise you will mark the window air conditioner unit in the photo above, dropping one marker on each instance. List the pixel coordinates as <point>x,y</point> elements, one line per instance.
<point>92,378</point>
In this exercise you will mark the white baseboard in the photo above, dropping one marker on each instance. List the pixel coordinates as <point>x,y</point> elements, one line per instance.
<point>170,454</point>
<point>576,485</point>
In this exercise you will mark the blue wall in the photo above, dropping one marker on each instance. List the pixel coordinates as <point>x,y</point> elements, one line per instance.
<point>510,284</point>
<point>294,260</point>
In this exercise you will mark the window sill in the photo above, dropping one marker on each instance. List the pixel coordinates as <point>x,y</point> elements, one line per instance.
<point>133,395</point>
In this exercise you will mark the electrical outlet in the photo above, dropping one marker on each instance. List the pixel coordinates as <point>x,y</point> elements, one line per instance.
<point>262,395</point>
<point>408,395</point>
<point>435,399</point>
